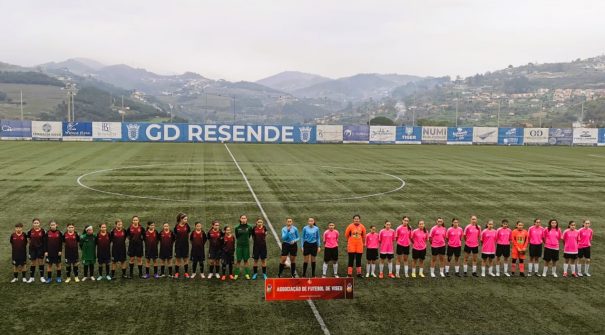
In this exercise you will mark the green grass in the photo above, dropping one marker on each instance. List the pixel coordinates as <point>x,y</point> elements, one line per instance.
<point>36,99</point>
<point>39,180</point>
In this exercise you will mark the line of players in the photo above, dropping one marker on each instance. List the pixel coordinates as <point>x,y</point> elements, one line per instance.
<point>122,248</point>
<point>108,249</point>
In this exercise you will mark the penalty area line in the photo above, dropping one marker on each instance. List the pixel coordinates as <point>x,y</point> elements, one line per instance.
<point>318,317</point>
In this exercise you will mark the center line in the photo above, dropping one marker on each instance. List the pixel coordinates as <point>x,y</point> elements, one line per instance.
<point>318,317</point>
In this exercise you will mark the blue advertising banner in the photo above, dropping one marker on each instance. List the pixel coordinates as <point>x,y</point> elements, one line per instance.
<point>408,135</point>
<point>601,136</point>
<point>79,129</point>
<point>305,134</point>
<point>460,135</point>
<point>560,136</point>
<point>510,136</point>
<point>15,128</point>
<point>356,134</point>
<point>165,132</point>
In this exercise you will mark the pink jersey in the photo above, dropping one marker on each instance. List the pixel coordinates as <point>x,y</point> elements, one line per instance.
<point>570,241</point>
<point>488,237</point>
<point>535,234</point>
<point>454,237</point>
<point>503,236</point>
<point>551,238</point>
<point>584,237</point>
<point>402,234</point>
<point>419,238</point>
<point>437,236</point>
<point>372,241</point>
<point>386,237</point>
<point>471,235</point>
<point>331,238</point>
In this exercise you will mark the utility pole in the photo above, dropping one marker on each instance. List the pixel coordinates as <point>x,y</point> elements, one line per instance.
<point>73,107</point>
<point>457,98</point>
<point>233,97</point>
<point>499,103</point>
<point>21,105</point>
<point>68,106</point>
<point>540,114</point>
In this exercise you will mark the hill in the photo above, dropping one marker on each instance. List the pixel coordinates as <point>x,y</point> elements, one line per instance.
<point>290,81</point>
<point>355,88</point>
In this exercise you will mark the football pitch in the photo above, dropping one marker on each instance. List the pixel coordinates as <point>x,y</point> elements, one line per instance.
<point>91,183</point>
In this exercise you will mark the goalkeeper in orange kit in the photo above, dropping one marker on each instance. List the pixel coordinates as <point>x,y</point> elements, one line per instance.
<point>519,238</point>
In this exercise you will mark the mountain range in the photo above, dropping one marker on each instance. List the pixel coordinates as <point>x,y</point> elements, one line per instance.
<point>289,96</point>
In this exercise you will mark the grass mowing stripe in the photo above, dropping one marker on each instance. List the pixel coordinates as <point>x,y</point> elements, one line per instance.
<point>318,317</point>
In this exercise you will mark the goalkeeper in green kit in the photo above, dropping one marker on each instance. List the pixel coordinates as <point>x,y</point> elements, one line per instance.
<point>243,233</point>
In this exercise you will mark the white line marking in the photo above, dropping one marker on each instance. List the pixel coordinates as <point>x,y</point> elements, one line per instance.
<point>318,317</point>
<point>598,156</point>
<point>80,182</point>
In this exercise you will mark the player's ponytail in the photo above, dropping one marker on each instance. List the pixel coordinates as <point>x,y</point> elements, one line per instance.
<point>180,217</point>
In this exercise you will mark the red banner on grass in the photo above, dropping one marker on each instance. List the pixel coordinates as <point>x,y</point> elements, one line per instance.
<point>308,288</point>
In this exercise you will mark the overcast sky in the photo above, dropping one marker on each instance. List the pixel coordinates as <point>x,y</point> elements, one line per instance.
<point>249,40</point>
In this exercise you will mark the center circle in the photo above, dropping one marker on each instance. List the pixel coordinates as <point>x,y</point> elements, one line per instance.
<point>80,182</point>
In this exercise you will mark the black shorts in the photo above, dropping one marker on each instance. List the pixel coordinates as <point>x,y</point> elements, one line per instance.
<point>403,250</point>
<point>331,255</point>
<point>386,256</point>
<point>135,250</point>
<point>584,253</point>
<point>53,259</point>
<point>288,249</point>
<point>181,251</point>
<point>309,249</point>
<point>214,253</point>
<point>71,261</point>
<point>437,251</point>
<point>118,258</point>
<point>36,253</point>
<point>471,250</point>
<point>453,251</point>
<point>227,257</point>
<point>418,254</point>
<point>103,260</point>
<point>259,252</point>
<point>151,253</point>
<point>118,254</point>
<point>551,255</point>
<point>371,254</point>
<point>503,250</point>
<point>570,256</point>
<point>535,250</point>
<point>198,255</point>
<point>486,256</point>
<point>19,261</point>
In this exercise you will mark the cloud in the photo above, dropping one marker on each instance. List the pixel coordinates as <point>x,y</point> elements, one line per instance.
<point>247,40</point>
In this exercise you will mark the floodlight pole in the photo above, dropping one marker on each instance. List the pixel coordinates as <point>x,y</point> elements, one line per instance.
<point>21,105</point>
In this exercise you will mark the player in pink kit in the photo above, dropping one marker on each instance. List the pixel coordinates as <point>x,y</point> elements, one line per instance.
<point>371,252</point>
<point>488,249</point>
<point>503,238</point>
<point>402,236</point>
<point>535,246</point>
<point>437,238</point>
<point>419,238</point>
<point>331,249</point>
<point>454,246</point>
<point>551,236</point>
<point>472,232</point>
<point>570,248</point>
<point>386,237</point>
<point>585,239</point>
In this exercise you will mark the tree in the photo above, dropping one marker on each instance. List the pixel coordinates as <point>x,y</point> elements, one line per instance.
<point>381,121</point>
